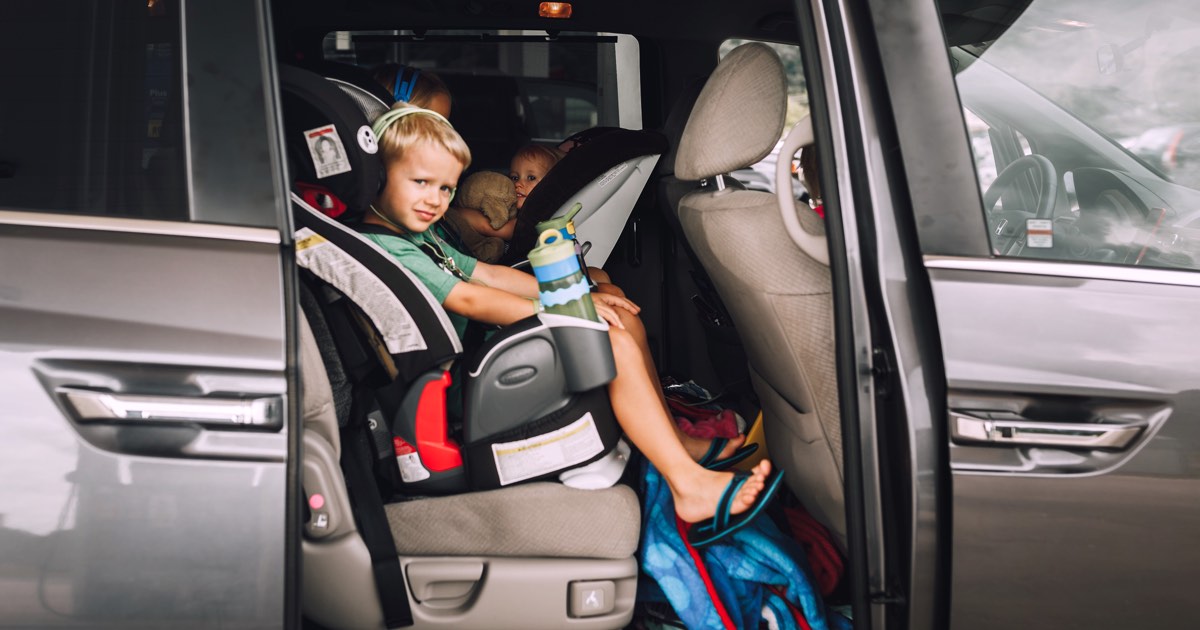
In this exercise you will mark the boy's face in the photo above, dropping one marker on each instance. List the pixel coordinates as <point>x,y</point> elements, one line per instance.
<point>526,172</point>
<point>419,186</point>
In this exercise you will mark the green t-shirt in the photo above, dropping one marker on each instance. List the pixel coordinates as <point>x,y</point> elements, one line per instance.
<point>406,248</point>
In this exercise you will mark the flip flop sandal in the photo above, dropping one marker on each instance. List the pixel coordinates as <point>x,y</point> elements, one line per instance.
<point>723,524</point>
<point>712,462</point>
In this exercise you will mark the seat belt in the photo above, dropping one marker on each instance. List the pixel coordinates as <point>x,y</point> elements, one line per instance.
<point>372,520</point>
<point>357,463</point>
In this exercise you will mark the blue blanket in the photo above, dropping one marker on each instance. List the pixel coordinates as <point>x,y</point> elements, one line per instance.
<point>756,566</point>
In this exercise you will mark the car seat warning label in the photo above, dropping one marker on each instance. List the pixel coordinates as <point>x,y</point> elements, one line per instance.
<point>327,151</point>
<point>570,445</point>
<point>409,462</point>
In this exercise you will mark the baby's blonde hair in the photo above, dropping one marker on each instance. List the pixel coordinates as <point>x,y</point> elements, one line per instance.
<point>422,127</point>
<point>548,156</point>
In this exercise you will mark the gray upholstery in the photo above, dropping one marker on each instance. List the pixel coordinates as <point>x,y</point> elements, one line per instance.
<point>779,298</point>
<point>536,520</point>
<point>739,116</point>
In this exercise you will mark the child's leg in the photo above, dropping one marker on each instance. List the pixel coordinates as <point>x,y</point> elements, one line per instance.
<point>636,400</point>
<point>696,447</point>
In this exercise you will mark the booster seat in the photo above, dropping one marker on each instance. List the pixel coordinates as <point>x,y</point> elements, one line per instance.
<point>534,397</point>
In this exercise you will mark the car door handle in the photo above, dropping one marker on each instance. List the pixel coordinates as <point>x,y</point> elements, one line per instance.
<point>100,406</point>
<point>969,429</point>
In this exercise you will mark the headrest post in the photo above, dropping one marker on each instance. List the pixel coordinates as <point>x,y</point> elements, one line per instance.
<point>720,180</point>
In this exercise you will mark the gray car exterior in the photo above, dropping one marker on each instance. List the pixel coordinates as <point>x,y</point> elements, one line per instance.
<point>146,415</point>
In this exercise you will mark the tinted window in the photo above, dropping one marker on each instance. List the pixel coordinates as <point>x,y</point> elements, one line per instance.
<point>91,108</point>
<point>1085,121</point>
<point>508,87</point>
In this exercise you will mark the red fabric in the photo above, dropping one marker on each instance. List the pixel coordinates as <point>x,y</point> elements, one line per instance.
<point>683,528</point>
<point>823,556</point>
<point>820,210</point>
<point>704,423</point>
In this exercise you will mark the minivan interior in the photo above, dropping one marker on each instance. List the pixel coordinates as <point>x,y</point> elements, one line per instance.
<point>694,236</point>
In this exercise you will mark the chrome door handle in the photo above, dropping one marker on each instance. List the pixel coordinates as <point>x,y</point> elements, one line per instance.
<point>974,430</point>
<point>90,405</point>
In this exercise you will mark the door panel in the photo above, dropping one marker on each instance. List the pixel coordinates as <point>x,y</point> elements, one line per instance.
<point>1052,537</point>
<point>136,522</point>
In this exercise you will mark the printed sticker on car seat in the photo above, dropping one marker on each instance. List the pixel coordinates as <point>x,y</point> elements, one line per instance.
<point>327,151</point>
<point>1039,233</point>
<point>409,461</point>
<point>525,459</point>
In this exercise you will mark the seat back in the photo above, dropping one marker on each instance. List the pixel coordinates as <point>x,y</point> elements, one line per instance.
<point>606,176</point>
<point>779,298</point>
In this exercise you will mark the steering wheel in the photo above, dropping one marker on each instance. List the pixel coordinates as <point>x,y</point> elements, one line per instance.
<point>1007,226</point>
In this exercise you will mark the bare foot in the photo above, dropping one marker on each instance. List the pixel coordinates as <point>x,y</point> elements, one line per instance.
<point>698,447</point>
<point>696,496</point>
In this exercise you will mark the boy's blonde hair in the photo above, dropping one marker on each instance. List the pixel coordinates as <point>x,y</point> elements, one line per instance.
<point>423,126</point>
<point>544,154</point>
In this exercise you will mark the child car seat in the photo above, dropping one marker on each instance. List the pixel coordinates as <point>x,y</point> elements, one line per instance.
<point>606,176</point>
<point>529,385</point>
<point>464,560</point>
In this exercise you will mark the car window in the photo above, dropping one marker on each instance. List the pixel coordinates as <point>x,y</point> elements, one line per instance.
<point>1099,102</point>
<point>510,87</point>
<point>92,110</point>
<point>761,176</point>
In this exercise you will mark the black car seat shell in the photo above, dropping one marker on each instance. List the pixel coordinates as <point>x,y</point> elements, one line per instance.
<point>474,557</point>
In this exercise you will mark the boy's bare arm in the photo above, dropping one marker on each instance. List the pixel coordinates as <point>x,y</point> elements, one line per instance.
<point>488,304</point>
<point>493,306</point>
<point>506,279</point>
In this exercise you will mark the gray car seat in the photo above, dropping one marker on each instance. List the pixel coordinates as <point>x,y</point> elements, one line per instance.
<point>780,299</point>
<point>535,555</point>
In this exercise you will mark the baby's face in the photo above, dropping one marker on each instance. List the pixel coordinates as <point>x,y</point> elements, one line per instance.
<point>526,173</point>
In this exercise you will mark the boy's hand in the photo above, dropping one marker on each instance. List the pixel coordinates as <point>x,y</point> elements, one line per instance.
<point>608,314</point>
<point>613,301</point>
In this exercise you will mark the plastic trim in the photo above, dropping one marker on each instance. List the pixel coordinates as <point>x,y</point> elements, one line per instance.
<point>141,226</point>
<point>1066,270</point>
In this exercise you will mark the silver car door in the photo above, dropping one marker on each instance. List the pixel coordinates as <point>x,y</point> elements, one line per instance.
<point>145,414</point>
<point>1064,304</point>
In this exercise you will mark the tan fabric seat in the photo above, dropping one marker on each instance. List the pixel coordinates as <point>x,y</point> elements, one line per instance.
<point>779,298</point>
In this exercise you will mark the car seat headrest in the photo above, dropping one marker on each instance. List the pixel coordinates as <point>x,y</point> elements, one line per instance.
<point>739,116</point>
<point>330,144</point>
<point>593,160</point>
<point>674,124</point>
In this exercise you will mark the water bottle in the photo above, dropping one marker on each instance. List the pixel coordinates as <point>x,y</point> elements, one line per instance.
<point>565,225</point>
<point>562,286</point>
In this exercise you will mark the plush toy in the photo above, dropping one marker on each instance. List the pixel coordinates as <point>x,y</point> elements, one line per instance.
<point>492,194</point>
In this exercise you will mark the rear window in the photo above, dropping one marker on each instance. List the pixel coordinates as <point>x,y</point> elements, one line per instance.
<point>511,87</point>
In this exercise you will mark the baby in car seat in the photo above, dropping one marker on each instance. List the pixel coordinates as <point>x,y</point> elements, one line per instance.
<point>424,157</point>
